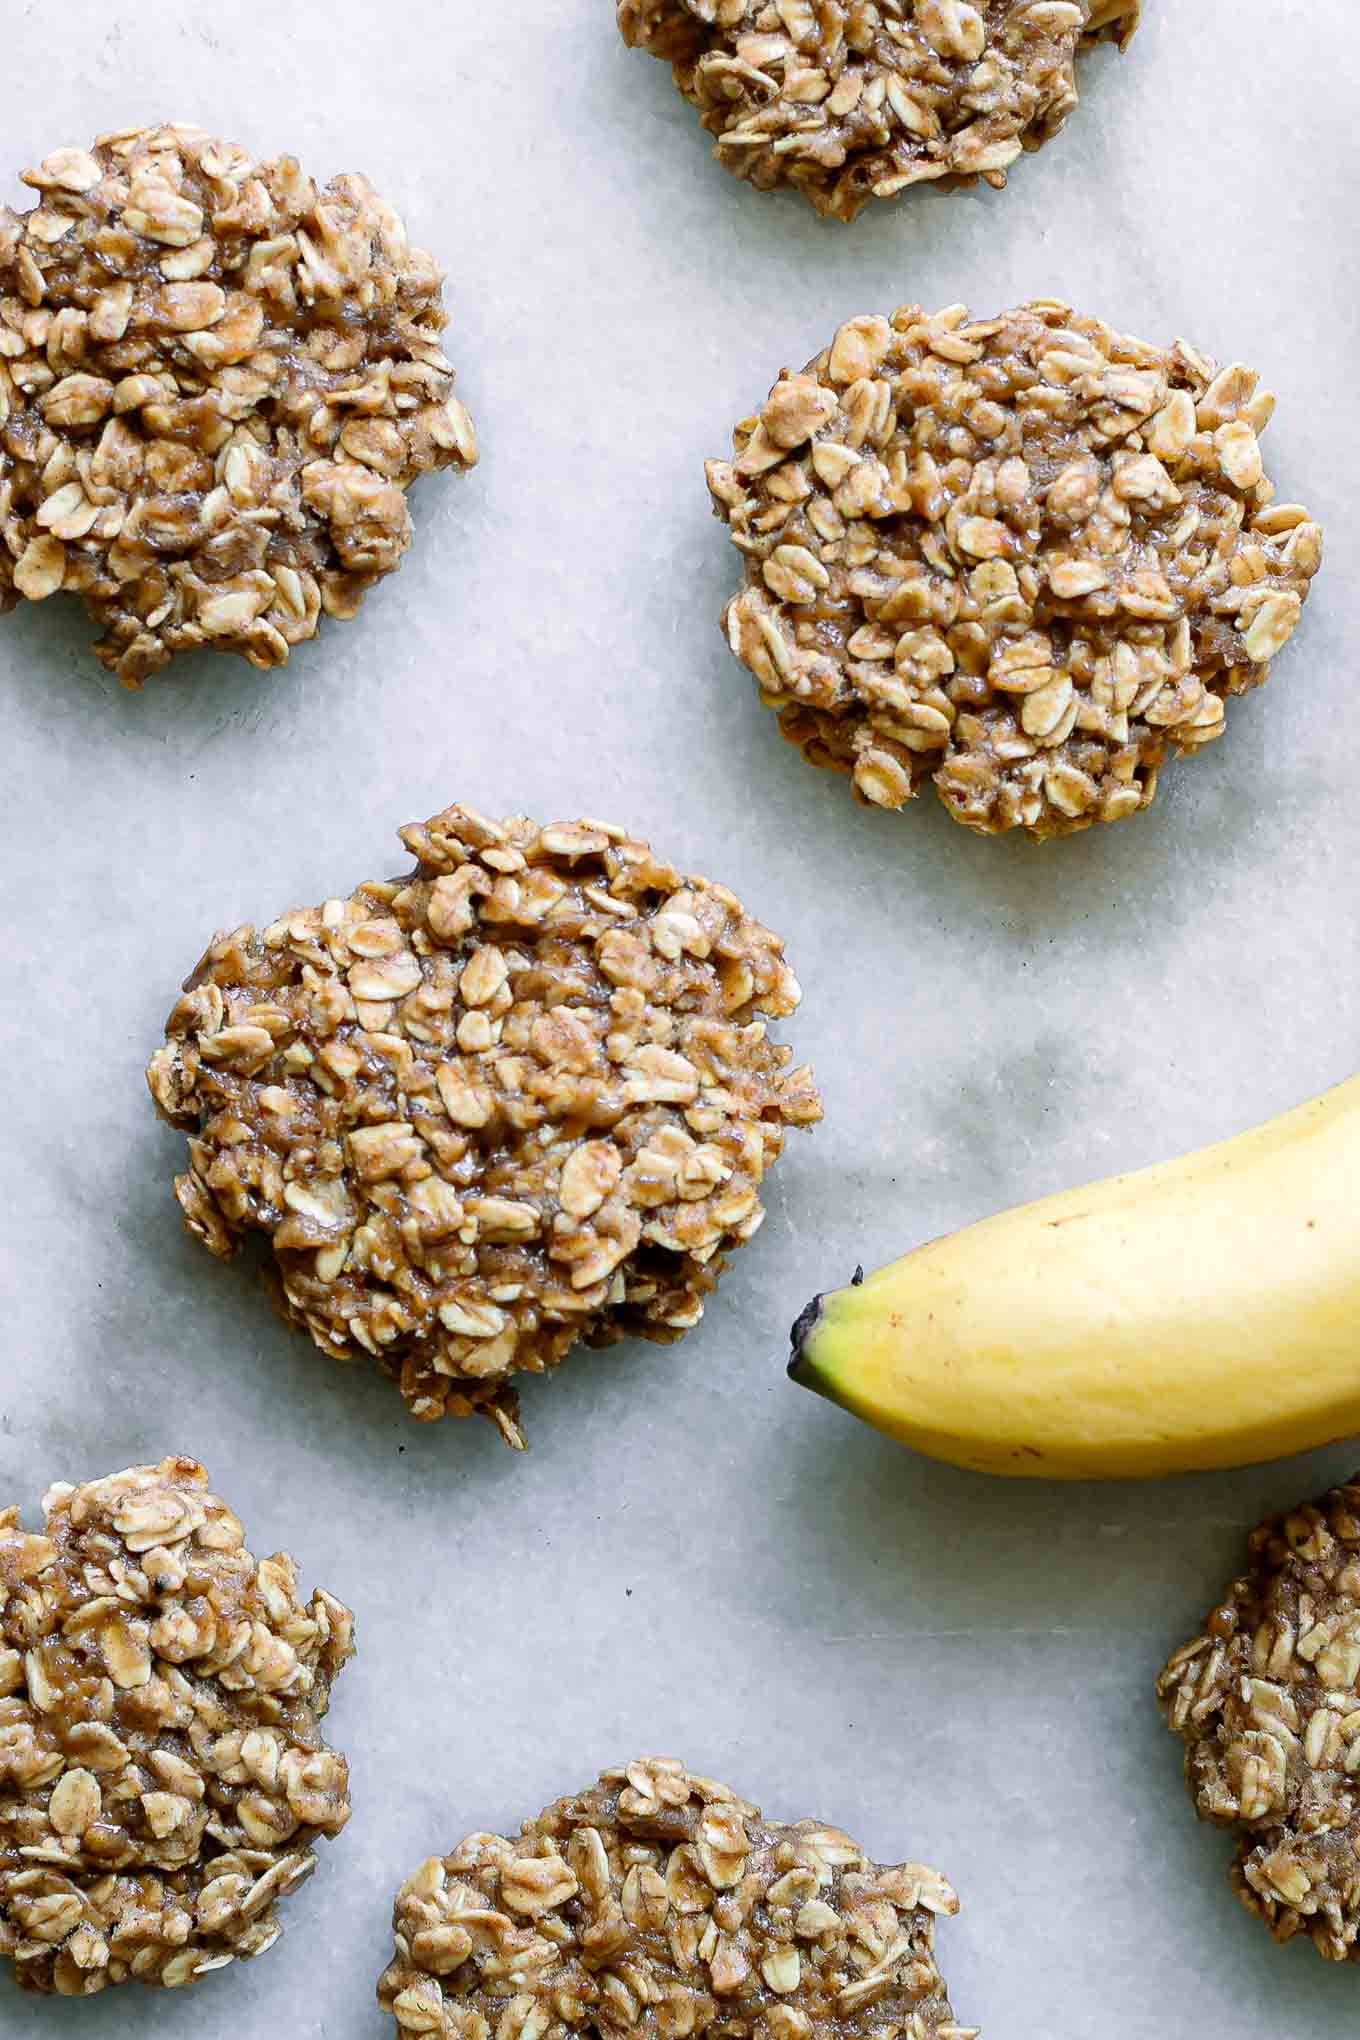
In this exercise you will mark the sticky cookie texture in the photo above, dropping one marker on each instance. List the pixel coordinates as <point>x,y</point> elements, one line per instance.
<point>1267,1703</point>
<point>162,1774</point>
<point>1025,559</point>
<point>848,100</point>
<point>217,383</point>
<point>522,1097</point>
<point>658,1902</point>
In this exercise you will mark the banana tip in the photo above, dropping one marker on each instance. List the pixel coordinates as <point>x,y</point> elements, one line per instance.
<point>804,1325</point>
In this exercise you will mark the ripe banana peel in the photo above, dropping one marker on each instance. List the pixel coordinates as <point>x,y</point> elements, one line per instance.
<point>1202,1313</point>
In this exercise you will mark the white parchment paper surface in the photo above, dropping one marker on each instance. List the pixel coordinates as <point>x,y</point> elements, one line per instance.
<point>695,1557</point>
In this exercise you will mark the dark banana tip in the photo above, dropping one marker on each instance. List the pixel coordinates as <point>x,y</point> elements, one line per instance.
<point>804,1325</point>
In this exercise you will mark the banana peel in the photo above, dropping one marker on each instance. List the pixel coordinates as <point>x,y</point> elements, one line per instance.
<point>1202,1313</point>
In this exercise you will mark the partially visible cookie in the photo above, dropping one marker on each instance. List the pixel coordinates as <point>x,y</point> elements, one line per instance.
<point>1023,559</point>
<point>522,1097</point>
<point>1267,1703</point>
<point>217,383</point>
<point>849,100</point>
<point>163,1779</point>
<point>657,1902</point>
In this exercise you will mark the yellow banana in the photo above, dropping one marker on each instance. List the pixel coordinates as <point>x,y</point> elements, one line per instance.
<point>1202,1313</point>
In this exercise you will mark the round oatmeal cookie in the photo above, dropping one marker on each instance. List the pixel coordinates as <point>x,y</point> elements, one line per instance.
<point>849,100</point>
<point>162,1773</point>
<point>1023,558</point>
<point>522,1097</point>
<point>1267,1703</point>
<point>660,1903</point>
<point>217,383</point>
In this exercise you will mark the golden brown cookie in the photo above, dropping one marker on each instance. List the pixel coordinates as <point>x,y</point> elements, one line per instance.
<point>658,1902</point>
<point>162,1774</point>
<point>848,100</point>
<point>217,383</point>
<point>523,1096</point>
<point>1024,559</point>
<point>1267,1702</point>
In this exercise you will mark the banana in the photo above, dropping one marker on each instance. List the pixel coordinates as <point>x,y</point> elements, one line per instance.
<point>1202,1313</point>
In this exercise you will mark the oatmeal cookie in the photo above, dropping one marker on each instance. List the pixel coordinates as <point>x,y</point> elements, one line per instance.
<point>524,1096</point>
<point>660,1903</point>
<point>849,100</point>
<point>162,1773</point>
<point>217,383</point>
<point>1267,1703</point>
<point>1024,558</point>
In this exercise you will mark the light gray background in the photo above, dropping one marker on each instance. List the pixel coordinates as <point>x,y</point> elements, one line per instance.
<point>695,1557</point>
